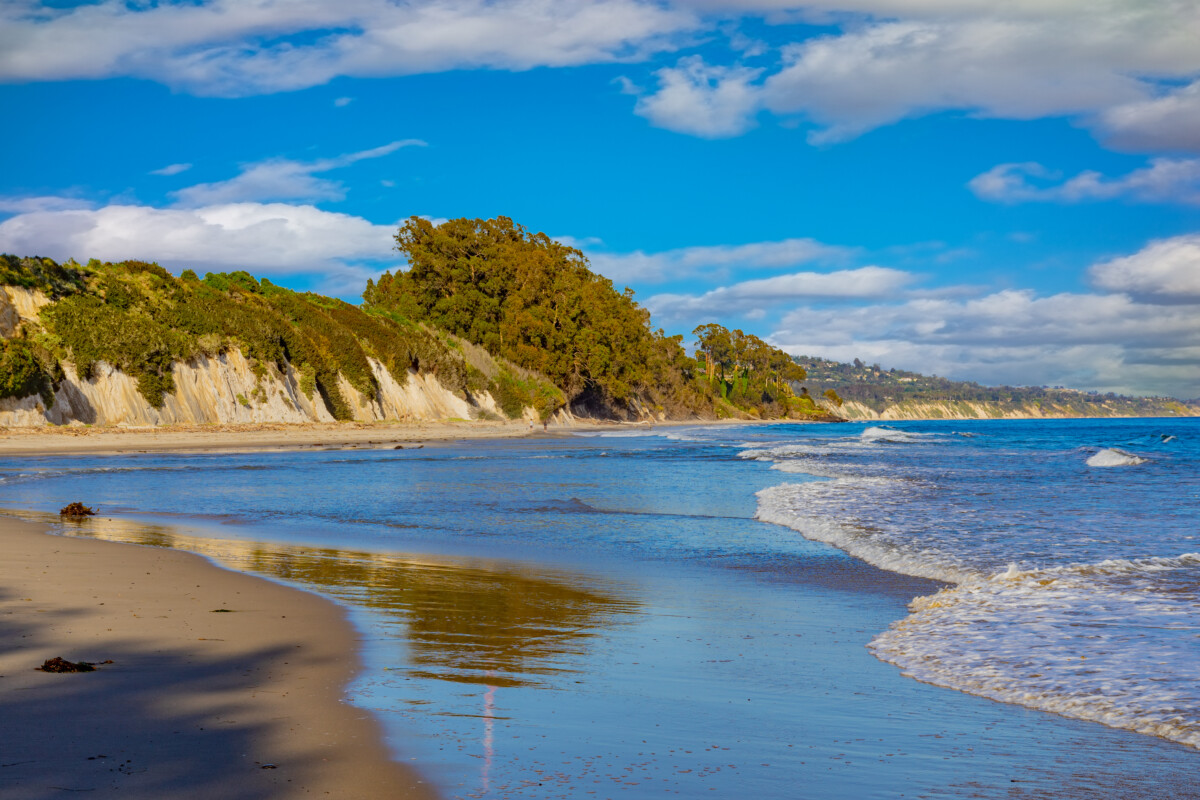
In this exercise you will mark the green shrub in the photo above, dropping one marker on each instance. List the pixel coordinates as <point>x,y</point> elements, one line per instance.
<point>513,394</point>
<point>42,274</point>
<point>27,369</point>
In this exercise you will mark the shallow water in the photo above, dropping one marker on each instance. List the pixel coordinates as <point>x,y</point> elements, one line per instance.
<point>605,616</point>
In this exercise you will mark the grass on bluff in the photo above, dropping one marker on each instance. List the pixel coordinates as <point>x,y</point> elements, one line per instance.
<point>139,318</point>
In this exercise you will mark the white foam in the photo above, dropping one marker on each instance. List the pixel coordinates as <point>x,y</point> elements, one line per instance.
<point>1112,457</point>
<point>1113,640</point>
<point>784,504</point>
<point>891,435</point>
<point>1108,642</point>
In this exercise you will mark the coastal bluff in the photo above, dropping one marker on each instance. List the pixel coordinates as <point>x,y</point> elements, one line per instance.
<point>226,386</point>
<point>224,389</point>
<point>964,409</point>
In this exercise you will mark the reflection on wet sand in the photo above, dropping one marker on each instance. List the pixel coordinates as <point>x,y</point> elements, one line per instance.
<point>468,622</point>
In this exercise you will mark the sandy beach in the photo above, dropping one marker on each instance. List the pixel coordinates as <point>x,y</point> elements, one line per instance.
<point>64,439</point>
<point>220,684</point>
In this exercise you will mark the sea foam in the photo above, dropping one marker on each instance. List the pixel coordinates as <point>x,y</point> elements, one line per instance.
<point>1105,642</point>
<point>1111,457</point>
<point>1045,609</point>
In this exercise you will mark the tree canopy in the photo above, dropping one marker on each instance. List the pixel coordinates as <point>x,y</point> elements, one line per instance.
<point>536,302</point>
<point>528,298</point>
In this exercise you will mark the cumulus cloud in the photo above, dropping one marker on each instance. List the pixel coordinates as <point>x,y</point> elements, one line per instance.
<point>271,238</point>
<point>283,179</point>
<point>847,284</point>
<point>996,67</point>
<point>1168,121</point>
<point>709,101</point>
<point>1092,341</point>
<point>1165,271</point>
<point>242,47</point>
<point>708,263</point>
<point>1164,181</point>
<point>1111,64</point>
<point>1114,64</point>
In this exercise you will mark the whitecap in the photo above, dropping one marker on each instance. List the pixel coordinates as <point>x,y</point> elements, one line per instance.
<point>1111,457</point>
<point>879,433</point>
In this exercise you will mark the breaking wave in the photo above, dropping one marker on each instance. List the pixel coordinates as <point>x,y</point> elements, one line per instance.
<point>1055,601</point>
<point>1112,457</point>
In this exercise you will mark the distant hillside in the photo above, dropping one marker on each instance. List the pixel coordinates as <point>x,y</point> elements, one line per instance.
<point>868,391</point>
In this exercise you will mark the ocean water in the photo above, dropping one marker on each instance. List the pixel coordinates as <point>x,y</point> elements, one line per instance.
<point>924,609</point>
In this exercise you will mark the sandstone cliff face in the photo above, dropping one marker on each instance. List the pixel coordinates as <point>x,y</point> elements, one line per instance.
<point>17,305</point>
<point>957,410</point>
<point>225,390</point>
<point>421,397</point>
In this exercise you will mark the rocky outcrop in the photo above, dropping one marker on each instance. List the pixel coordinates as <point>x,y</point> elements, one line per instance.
<point>226,389</point>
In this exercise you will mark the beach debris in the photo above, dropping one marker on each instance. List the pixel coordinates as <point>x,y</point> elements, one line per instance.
<point>221,611</point>
<point>60,664</point>
<point>76,509</point>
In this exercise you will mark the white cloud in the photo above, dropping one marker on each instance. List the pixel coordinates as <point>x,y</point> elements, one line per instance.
<point>1089,341</point>
<point>991,66</point>
<point>241,47</point>
<point>1168,121</point>
<point>709,101</point>
<point>1166,271</point>
<point>271,239</point>
<point>342,102</point>
<point>171,169</point>
<point>1107,62</point>
<point>847,284</point>
<point>283,179</point>
<point>25,205</point>
<point>708,263</point>
<point>1164,181</point>
<point>1114,64</point>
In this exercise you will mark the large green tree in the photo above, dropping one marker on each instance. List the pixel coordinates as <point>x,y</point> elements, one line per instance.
<point>525,297</point>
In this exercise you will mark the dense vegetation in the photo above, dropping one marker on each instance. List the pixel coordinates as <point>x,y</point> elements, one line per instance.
<point>42,274</point>
<point>748,371</point>
<point>534,301</point>
<point>877,388</point>
<point>139,318</point>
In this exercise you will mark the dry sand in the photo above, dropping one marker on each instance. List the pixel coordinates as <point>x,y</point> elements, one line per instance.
<point>196,703</point>
<point>49,440</point>
<point>59,440</point>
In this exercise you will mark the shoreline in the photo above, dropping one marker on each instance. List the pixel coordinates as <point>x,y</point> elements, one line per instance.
<point>69,440</point>
<point>196,703</point>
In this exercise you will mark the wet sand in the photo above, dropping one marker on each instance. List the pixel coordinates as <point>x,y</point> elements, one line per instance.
<point>221,684</point>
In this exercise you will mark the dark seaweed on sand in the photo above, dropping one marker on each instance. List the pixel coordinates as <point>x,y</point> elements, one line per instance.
<point>60,664</point>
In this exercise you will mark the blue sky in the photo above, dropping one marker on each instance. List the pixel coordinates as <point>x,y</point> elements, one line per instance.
<point>1007,193</point>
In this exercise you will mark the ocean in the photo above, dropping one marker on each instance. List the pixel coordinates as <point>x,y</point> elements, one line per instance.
<point>943,609</point>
